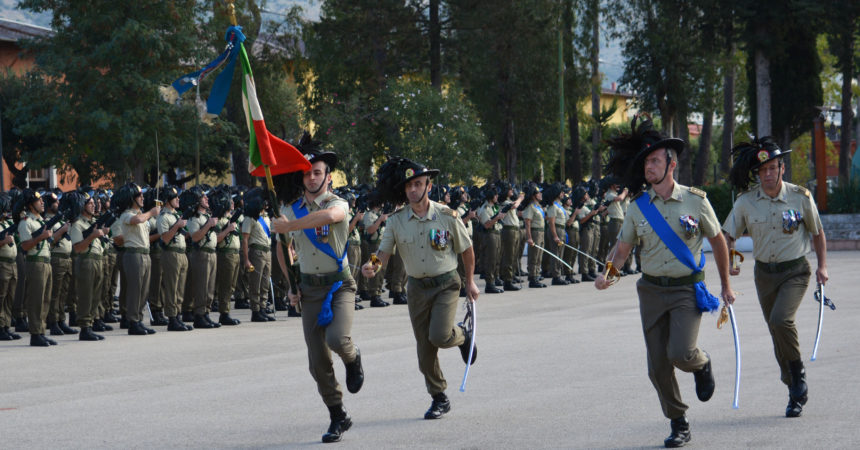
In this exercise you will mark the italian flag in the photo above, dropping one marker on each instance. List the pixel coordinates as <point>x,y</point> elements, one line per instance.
<point>265,149</point>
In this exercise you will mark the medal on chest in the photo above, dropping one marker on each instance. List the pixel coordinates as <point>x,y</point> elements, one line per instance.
<point>439,239</point>
<point>322,233</point>
<point>691,226</point>
<point>791,221</point>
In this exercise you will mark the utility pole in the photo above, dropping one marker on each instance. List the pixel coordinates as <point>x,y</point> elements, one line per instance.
<point>562,176</point>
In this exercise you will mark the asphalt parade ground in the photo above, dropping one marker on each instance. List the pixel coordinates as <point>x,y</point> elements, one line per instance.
<point>561,367</point>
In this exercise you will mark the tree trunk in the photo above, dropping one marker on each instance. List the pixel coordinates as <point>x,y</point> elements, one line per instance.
<point>728,119</point>
<point>685,171</point>
<point>240,167</point>
<point>575,157</point>
<point>847,117</point>
<point>703,157</point>
<point>595,93</point>
<point>435,46</point>
<point>509,145</point>
<point>762,93</point>
<point>785,142</point>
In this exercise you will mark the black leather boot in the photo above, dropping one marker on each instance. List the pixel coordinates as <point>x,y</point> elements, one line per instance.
<point>704,381</point>
<point>225,319</point>
<point>88,335</point>
<point>4,335</point>
<point>378,302</point>
<point>340,422</point>
<point>173,324</point>
<point>21,325</point>
<point>211,322</point>
<point>67,329</point>
<point>355,373</point>
<point>158,319</point>
<point>38,340</point>
<point>797,390</point>
<point>101,326</point>
<point>509,286</point>
<point>55,329</point>
<point>188,316</point>
<point>201,322</point>
<point>559,281</point>
<point>15,336</point>
<point>124,323</point>
<point>680,433</point>
<point>440,406</point>
<point>293,312</point>
<point>136,329</point>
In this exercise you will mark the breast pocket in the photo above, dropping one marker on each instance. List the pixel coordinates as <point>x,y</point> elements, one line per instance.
<point>759,224</point>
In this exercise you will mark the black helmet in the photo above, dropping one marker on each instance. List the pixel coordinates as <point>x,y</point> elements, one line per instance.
<point>219,202</point>
<point>255,203</point>
<point>169,193</point>
<point>189,199</point>
<point>72,203</point>
<point>125,195</point>
<point>5,203</point>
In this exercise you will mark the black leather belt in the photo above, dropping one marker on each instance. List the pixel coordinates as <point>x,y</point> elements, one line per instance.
<point>777,267</point>
<point>670,281</point>
<point>438,280</point>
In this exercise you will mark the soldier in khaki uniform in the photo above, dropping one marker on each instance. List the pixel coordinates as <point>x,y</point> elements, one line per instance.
<point>89,259</point>
<point>117,276</point>
<point>374,226</point>
<point>354,252</point>
<point>490,218</point>
<point>429,236</point>
<point>156,295</point>
<point>466,214</point>
<point>38,265</point>
<point>556,218</point>
<point>8,269</point>
<point>510,240</point>
<point>588,234</point>
<point>781,219</point>
<point>317,223</point>
<point>614,211</point>
<point>174,262</point>
<point>670,307</point>
<point>534,217</point>
<point>256,249</point>
<point>227,251</point>
<point>571,207</point>
<point>136,267</point>
<point>201,227</point>
<point>61,269</point>
<point>105,313</point>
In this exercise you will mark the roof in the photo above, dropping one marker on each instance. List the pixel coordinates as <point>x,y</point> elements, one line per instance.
<point>12,31</point>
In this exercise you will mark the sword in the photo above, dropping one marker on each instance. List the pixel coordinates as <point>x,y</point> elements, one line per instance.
<point>582,253</point>
<point>554,256</point>
<point>822,302</point>
<point>470,321</point>
<point>728,314</point>
<point>274,300</point>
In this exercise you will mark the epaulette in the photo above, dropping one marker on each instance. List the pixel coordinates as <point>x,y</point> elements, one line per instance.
<point>802,190</point>
<point>448,211</point>
<point>697,191</point>
<point>637,195</point>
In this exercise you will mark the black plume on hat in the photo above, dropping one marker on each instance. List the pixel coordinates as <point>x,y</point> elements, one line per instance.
<point>629,151</point>
<point>255,203</point>
<point>394,174</point>
<point>312,150</point>
<point>748,157</point>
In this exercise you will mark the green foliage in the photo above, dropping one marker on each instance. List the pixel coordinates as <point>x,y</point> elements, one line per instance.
<point>720,196</point>
<point>844,199</point>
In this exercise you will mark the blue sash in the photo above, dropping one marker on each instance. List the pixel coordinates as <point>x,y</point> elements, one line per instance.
<point>326,315</point>
<point>704,299</point>
<point>564,225</point>
<point>262,223</point>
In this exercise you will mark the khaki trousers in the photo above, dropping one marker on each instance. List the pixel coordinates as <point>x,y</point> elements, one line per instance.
<point>353,254</point>
<point>8,282</point>
<point>174,271</point>
<point>570,255</point>
<point>136,272</point>
<point>373,285</point>
<point>780,295</point>
<point>108,282</point>
<point>556,269</point>
<point>38,295</point>
<point>203,280</point>
<point>227,274</point>
<point>587,244</point>
<point>432,312</point>
<point>155,294</point>
<point>334,337</point>
<point>492,242</point>
<point>61,272</point>
<point>258,280</point>
<point>19,308</point>
<point>89,273</point>
<point>510,243</point>
<point>535,254</point>
<point>670,322</point>
<point>395,274</point>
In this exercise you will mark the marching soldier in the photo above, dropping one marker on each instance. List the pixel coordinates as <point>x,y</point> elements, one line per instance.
<point>34,241</point>
<point>490,217</point>
<point>104,313</point>
<point>317,223</point>
<point>256,249</point>
<point>534,217</point>
<point>671,299</point>
<point>89,259</point>
<point>8,269</point>
<point>174,262</point>
<point>466,214</point>
<point>571,227</point>
<point>781,219</point>
<point>429,236</point>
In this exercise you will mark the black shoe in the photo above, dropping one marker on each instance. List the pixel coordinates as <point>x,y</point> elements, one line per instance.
<point>354,373</point>
<point>797,390</point>
<point>201,322</point>
<point>88,335</point>
<point>340,422</point>
<point>463,292</point>
<point>50,341</point>
<point>499,282</point>
<point>21,325</point>
<point>55,329</point>
<point>400,298</point>
<point>704,381</point>
<point>188,316</point>
<point>15,336</point>
<point>137,329</point>
<point>467,342</point>
<point>67,329</point>
<point>570,279</point>
<point>534,283</point>
<point>38,340</point>
<point>509,286</point>
<point>256,316</point>
<point>490,289</point>
<point>438,408</point>
<point>211,322</point>
<point>293,312</point>
<point>587,278</point>
<point>364,295</point>
<point>146,328</point>
<point>124,324</point>
<point>174,324</point>
<point>100,326</point>
<point>242,304</point>
<point>680,433</point>
<point>158,319</point>
<point>225,319</point>
<point>559,281</point>
<point>215,305</point>
<point>4,335</point>
<point>280,305</point>
<point>357,307</point>
<point>378,302</point>
<point>110,318</point>
<point>794,409</point>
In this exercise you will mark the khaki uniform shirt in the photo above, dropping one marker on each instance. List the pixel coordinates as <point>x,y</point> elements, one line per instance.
<point>311,259</point>
<point>412,237</point>
<point>462,211</point>
<point>116,229</point>
<point>368,220</point>
<point>575,224</point>
<point>62,246</point>
<point>765,219</point>
<point>232,240</point>
<point>256,234</point>
<point>136,236</point>
<point>556,211</point>
<point>8,251</point>
<point>486,213</point>
<point>657,259</point>
<point>165,222</point>
<point>354,236</point>
<point>76,232</point>
<point>615,209</point>
<point>511,218</point>
<point>26,227</point>
<point>535,213</point>
<point>195,223</point>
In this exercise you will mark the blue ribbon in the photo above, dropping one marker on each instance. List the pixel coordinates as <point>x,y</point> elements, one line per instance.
<point>325,315</point>
<point>262,223</point>
<point>543,214</point>
<point>706,301</point>
<point>221,86</point>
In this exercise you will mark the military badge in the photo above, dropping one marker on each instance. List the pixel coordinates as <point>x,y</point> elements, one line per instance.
<point>762,155</point>
<point>439,239</point>
<point>691,226</point>
<point>409,173</point>
<point>791,221</point>
<point>322,233</point>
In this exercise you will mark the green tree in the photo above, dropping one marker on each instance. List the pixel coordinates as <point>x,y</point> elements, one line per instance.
<point>844,18</point>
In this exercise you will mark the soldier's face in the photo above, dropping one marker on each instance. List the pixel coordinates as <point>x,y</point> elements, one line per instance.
<point>138,200</point>
<point>39,206</point>
<point>204,202</point>
<point>655,166</point>
<point>90,207</point>
<point>317,177</point>
<point>174,203</point>
<point>417,188</point>
<point>770,173</point>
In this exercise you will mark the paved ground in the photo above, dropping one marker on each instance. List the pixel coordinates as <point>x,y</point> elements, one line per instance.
<point>562,367</point>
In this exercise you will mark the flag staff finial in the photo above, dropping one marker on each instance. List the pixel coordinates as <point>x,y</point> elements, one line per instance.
<point>231,10</point>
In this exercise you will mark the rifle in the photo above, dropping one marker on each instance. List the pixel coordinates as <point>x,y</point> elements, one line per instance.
<point>7,230</point>
<point>49,224</point>
<point>105,220</point>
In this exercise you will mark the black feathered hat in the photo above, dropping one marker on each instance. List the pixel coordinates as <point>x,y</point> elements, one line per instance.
<point>124,196</point>
<point>170,192</point>
<point>189,199</point>
<point>748,157</point>
<point>312,150</point>
<point>73,203</point>
<point>630,150</point>
<point>395,173</point>
<point>5,203</point>
<point>255,203</point>
<point>531,189</point>
<point>219,202</point>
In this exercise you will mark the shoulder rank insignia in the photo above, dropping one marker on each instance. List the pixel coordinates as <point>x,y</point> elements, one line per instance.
<point>449,212</point>
<point>802,190</point>
<point>698,192</point>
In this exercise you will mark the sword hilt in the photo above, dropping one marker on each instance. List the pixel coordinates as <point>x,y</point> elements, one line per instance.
<point>611,275</point>
<point>737,258</point>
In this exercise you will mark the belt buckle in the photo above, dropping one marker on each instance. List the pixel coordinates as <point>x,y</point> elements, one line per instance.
<point>773,267</point>
<point>665,281</point>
